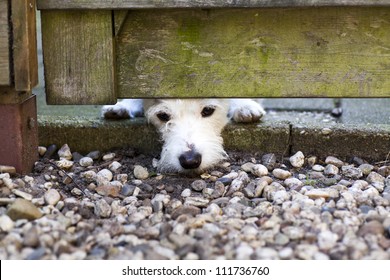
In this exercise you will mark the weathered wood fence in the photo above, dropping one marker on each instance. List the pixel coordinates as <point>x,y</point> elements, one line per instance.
<point>96,51</point>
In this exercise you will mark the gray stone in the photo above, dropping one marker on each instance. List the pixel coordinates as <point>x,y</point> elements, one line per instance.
<point>331,170</point>
<point>269,161</point>
<point>198,185</point>
<point>247,167</point>
<point>22,194</point>
<point>334,161</point>
<point>114,166</point>
<point>293,183</point>
<point>95,155</point>
<point>375,177</point>
<point>86,161</point>
<point>366,168</point>
<point>318,168</point>
<point>102,209</point>
<point>352,172</point>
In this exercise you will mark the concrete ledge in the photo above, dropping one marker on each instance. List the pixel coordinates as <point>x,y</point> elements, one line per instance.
<point>271,135</point>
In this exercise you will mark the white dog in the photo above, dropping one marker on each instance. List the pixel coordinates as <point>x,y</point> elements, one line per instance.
<point>190,128</point>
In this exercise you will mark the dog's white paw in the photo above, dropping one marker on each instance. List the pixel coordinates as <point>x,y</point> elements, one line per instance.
<point>115,112</point>
<point>246,110</point>
<point>124,109</point>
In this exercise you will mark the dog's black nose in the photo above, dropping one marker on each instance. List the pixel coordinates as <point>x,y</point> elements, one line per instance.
<point>190,159</point>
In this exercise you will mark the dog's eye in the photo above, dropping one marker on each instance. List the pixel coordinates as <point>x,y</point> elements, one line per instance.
<point>207,111</point>
<point>164,117</point>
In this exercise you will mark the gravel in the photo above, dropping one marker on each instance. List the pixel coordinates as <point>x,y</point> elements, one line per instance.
<point>115,205</point>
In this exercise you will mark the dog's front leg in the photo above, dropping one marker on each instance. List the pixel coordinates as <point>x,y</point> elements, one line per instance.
<point>245,110</point>
<point>124,109</point>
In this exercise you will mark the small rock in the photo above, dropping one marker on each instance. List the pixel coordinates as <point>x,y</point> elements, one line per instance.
<point>185,210</point>
<point>114,166</point>
<point>259,170</point>
<point>64,163</point>
<point>318,168</point>
<point>64,152</point>
<point>334,161</point>
<point>23,209</point>
<point>41,150</point>
<point>6,224</point>
<point>198,185</point>
<point>269,161</point>
<point>366,168</point>
<point>219,189</point>
<point>50,151</point>
<point>247,167</point>
<point>86,161</point>
<point>311,161</point>
<point>293,183</point>
<point>384,171</point>
<point>196,201</point>
<point>281,239</point>
<point>373,227</point>
<point>375,177</point>
<point>106,174</point>
<point>140,172</point>
<point>77,156</point>
<point>281,174</point>
<point>326,131</point>
<point>352,172</point>
<point>95,155</point>
<point>7,169</point>
<point>112,190</point>
<point>297,160</point>
<point>327,240</point>
<point>21,194</point>
<point>102,209</point>
<point>127,190</point>
<point>109,156</point>
<point>186,193</point>
<point>331,170</point>
<point>316,193</point>
<point>286,253</point>
<point>52,196</point>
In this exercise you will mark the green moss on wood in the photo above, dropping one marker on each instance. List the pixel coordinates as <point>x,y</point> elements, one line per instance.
<point>327,52</point>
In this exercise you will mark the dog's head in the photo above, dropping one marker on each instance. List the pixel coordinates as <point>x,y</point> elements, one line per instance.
<point>190,130</point>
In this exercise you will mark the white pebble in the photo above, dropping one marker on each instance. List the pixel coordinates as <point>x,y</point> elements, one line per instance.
<point>6,223</point>
<point>106,174</point>
<point>281,174</point>
<point>259,170</point>
<point>297,160</point>
<point>52,196</point>
<point>114,166</point>
<point>108,157</point>
<point>86,161</point>
<point>140,172</point>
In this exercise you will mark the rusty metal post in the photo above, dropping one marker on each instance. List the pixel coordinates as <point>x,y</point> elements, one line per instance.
<point>19,135</point>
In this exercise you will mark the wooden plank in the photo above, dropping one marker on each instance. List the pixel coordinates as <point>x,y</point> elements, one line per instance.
<point>331,52</point>
<point>25,61</point>
<point>148,4</point>
<point>78,52</point>
<point>5,77</point>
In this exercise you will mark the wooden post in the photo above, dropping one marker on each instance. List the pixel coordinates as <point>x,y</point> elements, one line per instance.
<point>18,75</point>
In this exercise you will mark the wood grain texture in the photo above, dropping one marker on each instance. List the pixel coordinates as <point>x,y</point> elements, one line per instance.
<point>327,52</point>
<point>25,60</point>
<point>147,4</point>
<point>5,77</point>
<point>78,54</point>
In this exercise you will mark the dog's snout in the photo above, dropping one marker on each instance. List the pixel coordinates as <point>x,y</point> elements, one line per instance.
<point>190,159</point>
